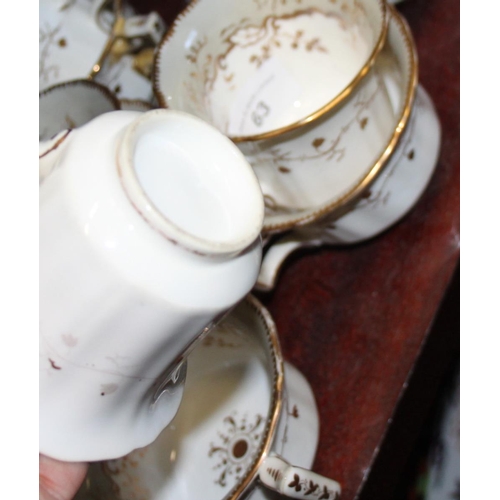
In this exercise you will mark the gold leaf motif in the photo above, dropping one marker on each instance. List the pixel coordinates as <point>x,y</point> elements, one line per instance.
<point>62,42</point>
<point>363,122</point>
<point>411,154</point>
<point>318,142</point>
<point>284,170</point>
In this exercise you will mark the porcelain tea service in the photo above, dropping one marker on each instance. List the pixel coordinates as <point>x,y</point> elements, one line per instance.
<point>232,433</point>
<point>145,243</point>
<point>291,123</point>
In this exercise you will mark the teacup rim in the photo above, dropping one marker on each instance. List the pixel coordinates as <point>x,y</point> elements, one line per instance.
<point>342,202</point>
<point>85,82</point>
<point>315,115</point>
<point>276,403</point>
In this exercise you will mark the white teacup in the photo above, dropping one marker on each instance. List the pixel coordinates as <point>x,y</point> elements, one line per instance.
<point>390,197</point>
<point>145,242</point>
<point>101,39</point>
<point>256,68</point>
<point>238,415</point>
<point>323,168</point>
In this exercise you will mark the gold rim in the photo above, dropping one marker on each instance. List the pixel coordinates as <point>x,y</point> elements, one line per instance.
<point>353,194</point>
<point>276,400</point>
<point>336,101</point>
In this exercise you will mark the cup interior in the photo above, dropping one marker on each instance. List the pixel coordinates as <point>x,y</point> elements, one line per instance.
<point>227,419</point>
<point>253,67</point>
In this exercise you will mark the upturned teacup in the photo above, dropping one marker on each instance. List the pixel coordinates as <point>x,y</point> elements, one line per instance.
<point>244,412</point>
<point>145,243</point>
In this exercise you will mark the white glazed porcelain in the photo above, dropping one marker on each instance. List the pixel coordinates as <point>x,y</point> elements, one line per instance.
<point>390,197</point>
<point>77,35</point>
<point>149,233</point>
<point>239,412</point>
<point>71,104</point>
<point>254,68</point>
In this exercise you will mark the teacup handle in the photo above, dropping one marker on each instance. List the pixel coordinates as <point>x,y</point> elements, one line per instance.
<point>296,482</point>
<point>276,254</point>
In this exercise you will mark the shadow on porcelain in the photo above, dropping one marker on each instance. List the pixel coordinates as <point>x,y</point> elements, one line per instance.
<point>145,244</point>
<point>239,421</point>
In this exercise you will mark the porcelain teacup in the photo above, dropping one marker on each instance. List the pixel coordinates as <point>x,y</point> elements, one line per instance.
<point>236,422</point>
<point>322,169</point>
<point>145,243</point>
<point>396,189</point>
<point>257,68</point>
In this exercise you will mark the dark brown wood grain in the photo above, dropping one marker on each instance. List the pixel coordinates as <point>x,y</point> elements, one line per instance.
<point>356,321</point>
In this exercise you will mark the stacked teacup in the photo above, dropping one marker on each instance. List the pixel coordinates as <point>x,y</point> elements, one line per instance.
<point>321,96</point>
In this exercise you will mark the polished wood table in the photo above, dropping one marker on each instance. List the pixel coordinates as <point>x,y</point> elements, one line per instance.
<point>367,324</point>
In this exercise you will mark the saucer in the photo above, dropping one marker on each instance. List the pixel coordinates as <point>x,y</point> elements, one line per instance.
<point>222,423</point>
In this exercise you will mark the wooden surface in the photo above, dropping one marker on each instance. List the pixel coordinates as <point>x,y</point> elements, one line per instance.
<point>358,321</point>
